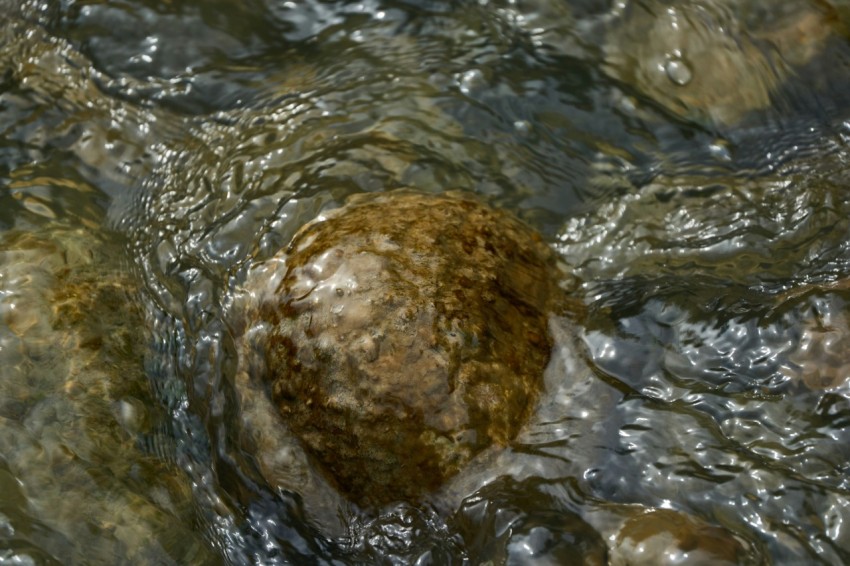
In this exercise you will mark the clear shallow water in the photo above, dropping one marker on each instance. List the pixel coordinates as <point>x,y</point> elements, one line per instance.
<point>151,153</point>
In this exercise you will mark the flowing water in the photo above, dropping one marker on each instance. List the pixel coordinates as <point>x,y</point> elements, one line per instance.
<point>687,160</point>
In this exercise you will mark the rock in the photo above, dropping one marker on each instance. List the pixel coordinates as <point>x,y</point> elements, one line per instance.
<point>716,62</point>
<point>666,537</point>
<point>821,357</point>
<point>407,333</point>
<point>76,410</point>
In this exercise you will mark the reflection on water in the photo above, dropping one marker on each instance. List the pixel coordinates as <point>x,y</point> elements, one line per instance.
<point>687,160</point>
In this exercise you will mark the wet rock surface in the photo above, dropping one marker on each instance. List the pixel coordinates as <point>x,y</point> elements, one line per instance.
<point>664,536</point>
<point>408,334</point>
<point>716,61</point>
<point>76,409</point>
<point>821,358</point>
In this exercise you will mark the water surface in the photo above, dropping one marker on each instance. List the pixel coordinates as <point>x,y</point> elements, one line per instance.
<point>688,160</point>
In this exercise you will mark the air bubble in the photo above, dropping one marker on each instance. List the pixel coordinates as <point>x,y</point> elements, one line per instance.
<point>678,71</point>
<point>471,80</point>
<point>522,128</point>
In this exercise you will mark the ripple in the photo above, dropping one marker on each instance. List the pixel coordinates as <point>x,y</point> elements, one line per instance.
<point>707,221</point>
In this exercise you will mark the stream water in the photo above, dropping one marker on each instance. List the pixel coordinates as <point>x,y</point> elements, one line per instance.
<point>687,160</point>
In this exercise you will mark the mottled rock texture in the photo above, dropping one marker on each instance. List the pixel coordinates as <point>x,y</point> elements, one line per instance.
<point>410,334</point>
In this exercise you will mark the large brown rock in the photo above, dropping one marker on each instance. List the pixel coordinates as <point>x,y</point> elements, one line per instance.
<point>409,334</point>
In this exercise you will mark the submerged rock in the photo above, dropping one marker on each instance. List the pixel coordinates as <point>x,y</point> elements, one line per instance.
<point>716,62</point>
<point>821,358</point>
<point>402,334</point>
<point>76,410</point>
<point>667,537</point>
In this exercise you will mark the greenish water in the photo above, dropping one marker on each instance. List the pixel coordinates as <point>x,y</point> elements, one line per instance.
<point>688,160</point>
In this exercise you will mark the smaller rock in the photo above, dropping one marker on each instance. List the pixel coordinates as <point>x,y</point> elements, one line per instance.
<point>663,537</point>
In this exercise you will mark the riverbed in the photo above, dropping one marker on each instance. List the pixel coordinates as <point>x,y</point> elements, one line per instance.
<point>686,161</point>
